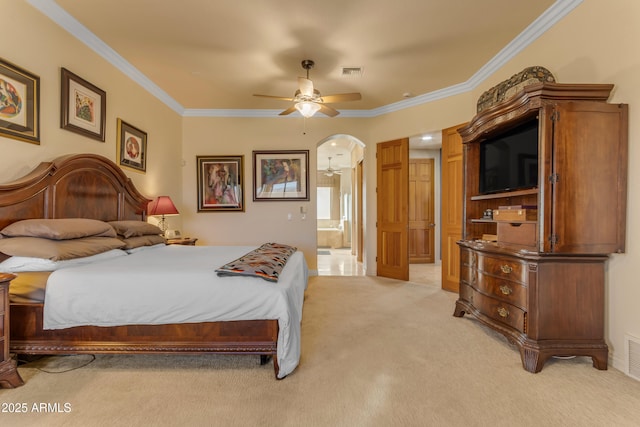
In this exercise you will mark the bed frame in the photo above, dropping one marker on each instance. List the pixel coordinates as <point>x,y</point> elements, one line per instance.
<point>91,186</point>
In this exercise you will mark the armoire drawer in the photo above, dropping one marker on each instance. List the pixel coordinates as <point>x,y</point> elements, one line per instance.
<point>500,311</point>
<point>505,290</point>
<point>505,268</point>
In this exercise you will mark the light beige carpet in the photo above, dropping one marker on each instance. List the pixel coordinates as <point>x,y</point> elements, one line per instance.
<point>376,352</point>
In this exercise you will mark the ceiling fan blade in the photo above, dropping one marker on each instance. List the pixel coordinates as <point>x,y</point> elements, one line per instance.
<point>306,86</point>
<point>342,97</point>
<point>281,98</point>
<point>329,111</point>
<point>288,111</point>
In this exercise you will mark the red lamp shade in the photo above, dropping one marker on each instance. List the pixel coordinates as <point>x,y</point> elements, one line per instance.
<point>162,205</point>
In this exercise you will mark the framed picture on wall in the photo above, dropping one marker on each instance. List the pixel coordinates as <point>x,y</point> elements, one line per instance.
<point>19,103</point>
<point>132,147</point>
<point>83,106</point>
<point>280,175</point>
<point>220,183</point>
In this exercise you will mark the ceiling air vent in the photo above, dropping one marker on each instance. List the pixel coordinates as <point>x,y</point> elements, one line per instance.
<point>351,71</point>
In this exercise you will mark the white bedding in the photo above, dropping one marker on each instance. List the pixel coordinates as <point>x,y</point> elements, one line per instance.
<point>178,284</point>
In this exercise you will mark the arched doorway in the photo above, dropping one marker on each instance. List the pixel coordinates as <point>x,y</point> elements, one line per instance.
<point>340,204</point>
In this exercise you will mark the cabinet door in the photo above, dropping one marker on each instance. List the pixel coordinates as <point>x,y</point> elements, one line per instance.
<point>589,178</point>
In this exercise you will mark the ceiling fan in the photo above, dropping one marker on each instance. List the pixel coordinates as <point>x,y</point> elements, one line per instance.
<point>331,171</point>
<point>309,101</point>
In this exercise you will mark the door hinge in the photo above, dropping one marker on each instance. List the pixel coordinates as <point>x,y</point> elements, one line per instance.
<point>553,239</point>
<point>554,178</point>
<point>555,116</point>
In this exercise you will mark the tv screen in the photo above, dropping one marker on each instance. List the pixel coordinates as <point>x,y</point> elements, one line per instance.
<point>509,161</point>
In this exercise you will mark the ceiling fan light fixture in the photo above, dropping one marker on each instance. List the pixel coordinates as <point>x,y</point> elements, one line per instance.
<point>307,108</point>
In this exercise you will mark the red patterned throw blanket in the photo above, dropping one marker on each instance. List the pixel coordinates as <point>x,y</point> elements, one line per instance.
<point>266,262</point>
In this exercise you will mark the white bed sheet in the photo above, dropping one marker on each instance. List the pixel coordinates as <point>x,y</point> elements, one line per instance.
<point>178,284</point>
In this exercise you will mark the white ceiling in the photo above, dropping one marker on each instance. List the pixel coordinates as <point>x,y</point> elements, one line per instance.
<point>213,55</point>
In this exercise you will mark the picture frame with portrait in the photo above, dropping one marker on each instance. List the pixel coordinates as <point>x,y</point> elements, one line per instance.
<point>132,147</point>
<point>281,175</point>
<point>220,183</point>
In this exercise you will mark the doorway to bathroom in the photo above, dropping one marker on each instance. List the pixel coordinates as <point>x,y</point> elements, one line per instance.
<point>340,206</point>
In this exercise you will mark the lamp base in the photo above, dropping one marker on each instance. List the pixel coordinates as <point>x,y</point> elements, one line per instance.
<point>162,225</point>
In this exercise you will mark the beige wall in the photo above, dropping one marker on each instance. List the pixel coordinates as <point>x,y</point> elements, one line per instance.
<point>43,52</point>
<point>261,221</point>
<point>595,43</point>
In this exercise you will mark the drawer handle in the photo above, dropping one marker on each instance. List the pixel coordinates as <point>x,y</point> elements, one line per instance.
<point>503,312</point>
<point>506,290</point>
<point>506,269</point>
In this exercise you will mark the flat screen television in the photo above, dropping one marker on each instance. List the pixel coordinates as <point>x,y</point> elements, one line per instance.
<point>509,161</point>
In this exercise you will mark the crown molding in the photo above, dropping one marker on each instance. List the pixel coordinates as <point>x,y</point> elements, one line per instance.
<point>549,17</point>
<point>61,17</point>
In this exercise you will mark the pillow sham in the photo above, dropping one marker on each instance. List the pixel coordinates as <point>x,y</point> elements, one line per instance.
<point>58,250</point>
<point>139,241</point>
<point>58,229</point>
<point>134,228</point>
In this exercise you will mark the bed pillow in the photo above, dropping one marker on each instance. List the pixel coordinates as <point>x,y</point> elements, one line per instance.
<point>139,241</point>
<point>58,250</point>
<point>58,229</point>
<point>19,264</point>
<point>128,229</point>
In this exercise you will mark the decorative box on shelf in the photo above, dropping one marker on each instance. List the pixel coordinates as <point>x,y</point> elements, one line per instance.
<point>515,233</point>
<point>516,213</point>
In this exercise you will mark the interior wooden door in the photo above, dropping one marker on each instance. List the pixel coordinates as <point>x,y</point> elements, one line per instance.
<point>452,204</point>
<point>421,211</point>
<point>392,202</point>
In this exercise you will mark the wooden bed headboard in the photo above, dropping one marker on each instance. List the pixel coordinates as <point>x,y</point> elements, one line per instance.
<point>72,186</point>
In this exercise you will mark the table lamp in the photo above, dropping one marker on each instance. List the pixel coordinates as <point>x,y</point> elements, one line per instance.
<point>162,206</point>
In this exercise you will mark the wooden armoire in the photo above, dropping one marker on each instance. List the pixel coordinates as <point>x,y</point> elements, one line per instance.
<point>538,276</point>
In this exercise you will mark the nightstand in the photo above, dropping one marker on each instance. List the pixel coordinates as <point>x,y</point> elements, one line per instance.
<point>9,376</point>
<point>189,241</point>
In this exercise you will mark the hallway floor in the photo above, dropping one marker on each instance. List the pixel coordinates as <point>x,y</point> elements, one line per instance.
<point>340,262</point>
